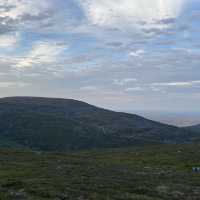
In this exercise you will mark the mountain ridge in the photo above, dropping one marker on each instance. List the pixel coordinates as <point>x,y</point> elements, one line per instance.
<point>67,124</point>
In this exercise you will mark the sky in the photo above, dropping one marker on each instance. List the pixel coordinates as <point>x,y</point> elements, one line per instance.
<point>119,54</point>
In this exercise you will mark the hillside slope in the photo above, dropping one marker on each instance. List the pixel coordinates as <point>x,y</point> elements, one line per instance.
<point>195,128</point>
<point>63,124</point>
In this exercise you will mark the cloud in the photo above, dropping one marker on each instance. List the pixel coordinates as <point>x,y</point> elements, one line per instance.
<point>117,13</point>
<point>124,81</point>
<point>7,41</point>
<point>137,53</point>
<point>17,9</point>
<point>140,49</point>
<point>178,84</point>
<point>159,87</point>
<point>7,25</point>
<point>8,84</point>
<point>20,15</point>
<point>89,88</point>
<point>42,53</point>
<point>134,89</point>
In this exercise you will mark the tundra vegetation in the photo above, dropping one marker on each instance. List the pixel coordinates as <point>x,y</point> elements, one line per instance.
<point>158,172</point>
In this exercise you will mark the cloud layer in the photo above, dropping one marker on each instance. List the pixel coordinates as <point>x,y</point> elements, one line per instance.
<point>115,13</point>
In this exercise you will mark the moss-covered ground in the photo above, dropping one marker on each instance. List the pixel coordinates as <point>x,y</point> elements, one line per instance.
<point>149,173</point>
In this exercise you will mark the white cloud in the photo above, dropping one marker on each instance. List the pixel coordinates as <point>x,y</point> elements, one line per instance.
<point>89,88</point>
<point>158,87</point>
<point>7,41</point>
<point>8,84</point>
<point>15,9</point>
<point>124,81</point>
<point>134,89</point>
<point>137,53</point>
<point>178,84</point>
<point>127,12</point>
<point>41,53</point>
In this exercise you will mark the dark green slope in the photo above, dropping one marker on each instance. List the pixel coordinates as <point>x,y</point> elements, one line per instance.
<point>195,128</point>
<point>63,124</point>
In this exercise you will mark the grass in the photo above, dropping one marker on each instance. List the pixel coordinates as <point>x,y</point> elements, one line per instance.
<point>150,173</point>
